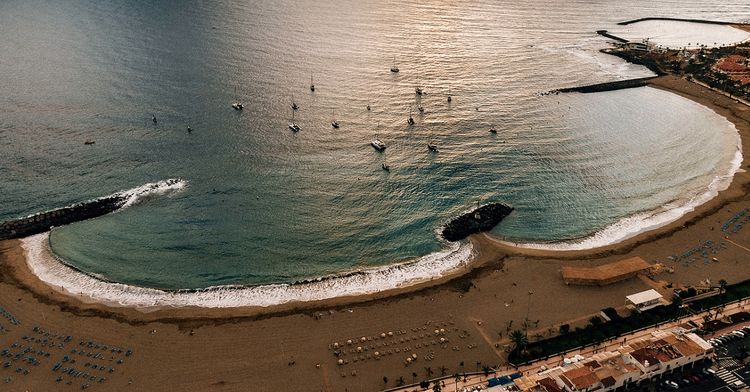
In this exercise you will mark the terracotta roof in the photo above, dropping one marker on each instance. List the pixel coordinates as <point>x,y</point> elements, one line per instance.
<point>581,378</point>
<point>650,354</point>
<point>608,381</point>
<point>732,63</point>
<point>550,385</point>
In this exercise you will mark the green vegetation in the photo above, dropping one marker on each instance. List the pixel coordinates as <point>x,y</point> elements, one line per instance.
<point>597,331</point>
<point>696,64</point>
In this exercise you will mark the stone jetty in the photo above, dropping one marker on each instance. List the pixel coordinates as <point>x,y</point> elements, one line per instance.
<point>481,219</point>
<point>43,221</point>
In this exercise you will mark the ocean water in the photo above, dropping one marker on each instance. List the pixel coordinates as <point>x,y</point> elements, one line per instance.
<point>262,205</point>
<point>677,34</point>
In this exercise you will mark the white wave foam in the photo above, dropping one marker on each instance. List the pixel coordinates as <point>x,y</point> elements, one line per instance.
<point>136,195</point>
<point>633,225</point>
<point>53,271</point>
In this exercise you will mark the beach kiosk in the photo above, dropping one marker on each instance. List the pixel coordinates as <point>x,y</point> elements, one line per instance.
<point>645,300</point>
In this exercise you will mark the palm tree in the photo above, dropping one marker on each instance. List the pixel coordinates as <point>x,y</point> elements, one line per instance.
<point>385,380</point>
<point>443,370</point>
<point>436,387</point>
<point>743,352</point>
<point>486,369</point>
<point>428,371</point>
<point>400,381</point>
<point>722,286</point>
<point>456,378</point>
<point>519,340</point>
<point>413,377</point>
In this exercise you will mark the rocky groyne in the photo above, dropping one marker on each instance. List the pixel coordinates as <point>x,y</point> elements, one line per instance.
<point>42,222</point>
<point>608,86</point>
<point>704,21</point>
<point>481,219</point>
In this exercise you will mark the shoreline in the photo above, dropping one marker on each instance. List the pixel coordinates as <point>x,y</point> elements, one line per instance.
<point>482,244</point>
<point>206,349</point>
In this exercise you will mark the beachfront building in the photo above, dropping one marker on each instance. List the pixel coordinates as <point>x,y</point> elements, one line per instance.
<point>642,360</point>
<point>737,67</point>
<point>645,300</point>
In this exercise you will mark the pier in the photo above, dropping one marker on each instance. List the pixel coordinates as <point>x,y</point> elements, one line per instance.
<point>714,22</point>
<point>607,86</point>
<point>605,33</point>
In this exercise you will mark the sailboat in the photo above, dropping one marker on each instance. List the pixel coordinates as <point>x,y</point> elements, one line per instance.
<point>418,89</point>
<point>334,123</point>
<point>312,85</point>
<point>293,126</point>
<point>411,119</point>
<point>450,98</point>
<point>432,147</point>
<point>236,104</point>
<point>394,68</point>
<point>493,130</point>
<point>378,144</point>
<point>294,104</point>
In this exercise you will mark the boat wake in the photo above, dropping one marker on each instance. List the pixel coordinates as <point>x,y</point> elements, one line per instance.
<point>58,274</point>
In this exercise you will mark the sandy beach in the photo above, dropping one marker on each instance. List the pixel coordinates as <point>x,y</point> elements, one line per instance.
<point>291,347</point>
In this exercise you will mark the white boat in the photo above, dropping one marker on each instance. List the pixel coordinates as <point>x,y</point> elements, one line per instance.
<point>419,90</point>
<point>450,98</point>
<point>493,130</point>
<point>420,108</point>
<point>411,119</point>
<point>394,68</point>
<point>312,85</point>
<point>236,104</point>
<point>432,147</point>
<point>334,123</point>
<point>293,126</point>
<point>294,104</point>
<point>378,144</point>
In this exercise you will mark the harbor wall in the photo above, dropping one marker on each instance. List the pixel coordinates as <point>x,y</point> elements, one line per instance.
<point>608,86</point>
<point>41,222</point>
<point>715,22</point>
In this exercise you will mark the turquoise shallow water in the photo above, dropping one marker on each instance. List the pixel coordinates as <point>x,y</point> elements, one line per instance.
<point>264,205</point>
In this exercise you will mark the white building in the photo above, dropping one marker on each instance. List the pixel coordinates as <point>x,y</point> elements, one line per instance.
<point>645,300</point>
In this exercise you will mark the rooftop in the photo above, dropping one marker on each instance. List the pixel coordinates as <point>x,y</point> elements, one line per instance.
<point>644,297</point>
